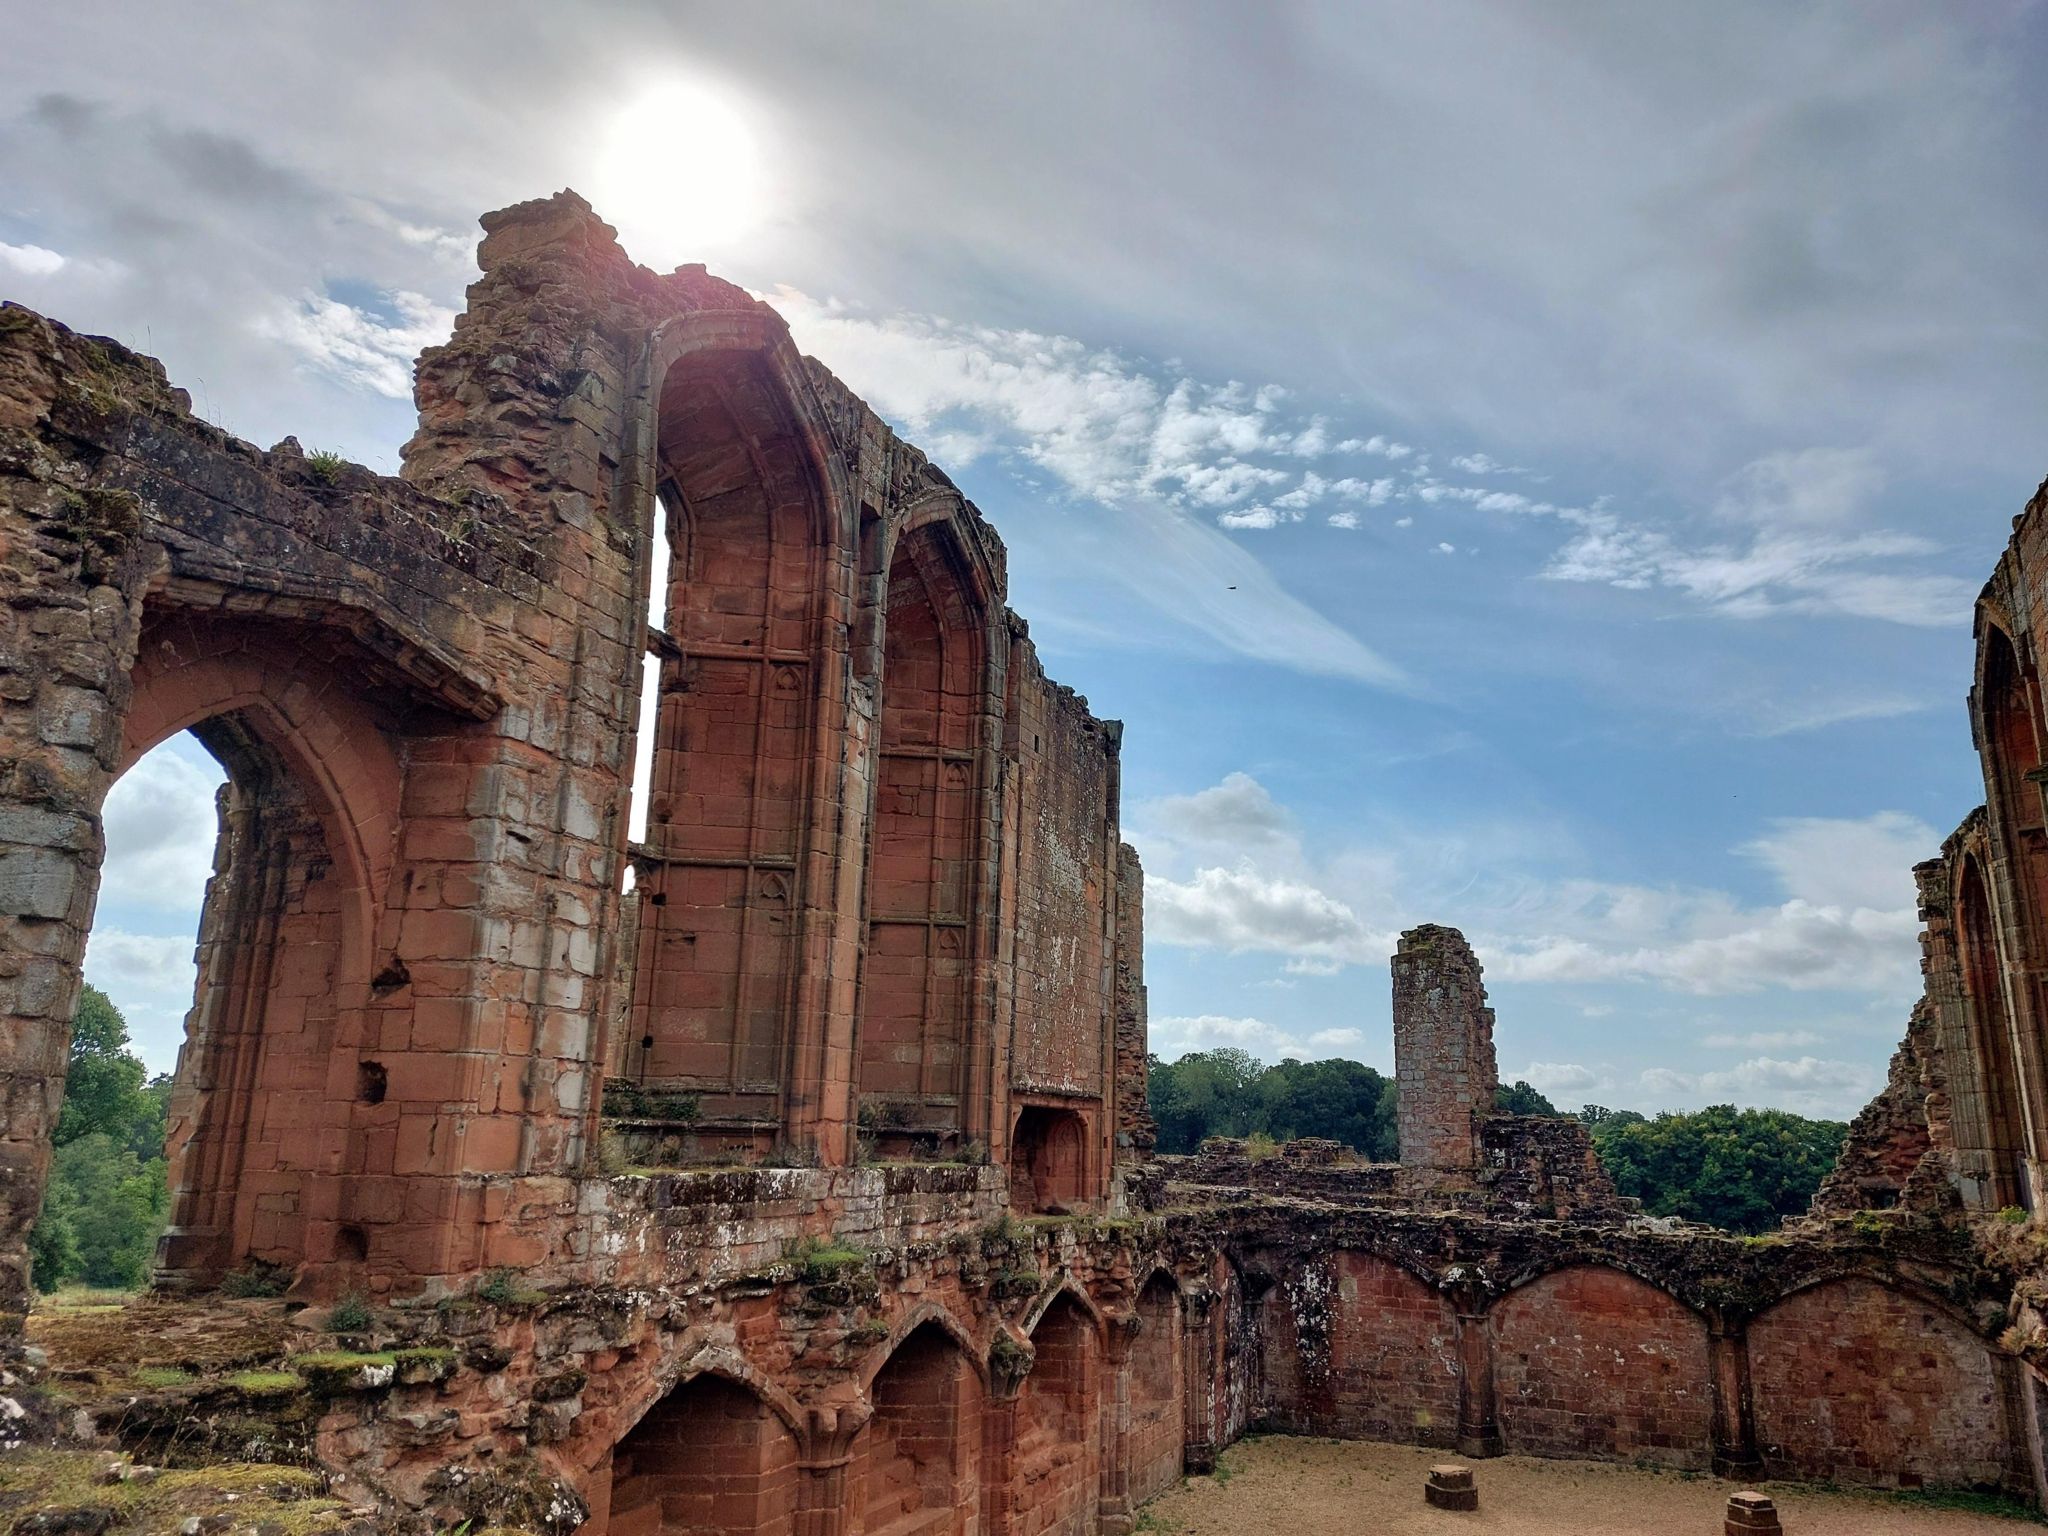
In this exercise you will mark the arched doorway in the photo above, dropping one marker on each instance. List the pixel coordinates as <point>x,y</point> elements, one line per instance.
<point>275,1159</point>
<point>1048,1161</point>
<point>919,1458</point>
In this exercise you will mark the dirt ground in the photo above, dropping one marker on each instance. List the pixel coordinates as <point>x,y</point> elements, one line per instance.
<point>1354,1488</point>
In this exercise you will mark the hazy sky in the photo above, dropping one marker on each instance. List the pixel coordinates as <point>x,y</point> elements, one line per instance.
<point>1524,467</point>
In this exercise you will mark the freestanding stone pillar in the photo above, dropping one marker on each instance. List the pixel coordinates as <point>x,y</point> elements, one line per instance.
<point>1443,1058</point>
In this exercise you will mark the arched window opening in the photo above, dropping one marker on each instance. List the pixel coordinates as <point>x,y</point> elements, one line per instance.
<point>265,1077</point>
<point>107,1200</point>
<point>919,1455</point>
<point>712,1459</point>
<point>917,983</point>
<point>1156,1376</point>
<point>720,860</point>
<point>2013,741</point>
<point>1059,1426</point>
<point>2013,755</point>
<point>1048,1161</point>
<point>1991,1035</point>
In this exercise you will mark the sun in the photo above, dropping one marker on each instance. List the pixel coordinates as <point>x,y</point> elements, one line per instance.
<point>680,173</point>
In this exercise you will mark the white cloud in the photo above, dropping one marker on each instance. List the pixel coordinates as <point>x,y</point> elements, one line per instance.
<point>1240,909</point>
<point>1762,1040</point>
<point>1149,446</point>
<point>1257,517</point>
<point>357,346</point>
<point>1799,552</point>
<point>1229,872</point>
<point>1236,816</point>
<point>1386,448</point>
<point>1847,864</point>
<point>30,260</point>
<point>1806,1084</point>
<point>1549,1077</point>
<point>150,979</point>
<point>1173,1036</point>
<point>1809,487</point>
<point>160,830</point>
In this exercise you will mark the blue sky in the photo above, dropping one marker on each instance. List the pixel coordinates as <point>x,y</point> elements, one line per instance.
<point>1520,467</point>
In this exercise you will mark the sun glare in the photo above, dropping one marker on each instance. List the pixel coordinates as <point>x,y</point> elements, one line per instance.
<point>679,173</point>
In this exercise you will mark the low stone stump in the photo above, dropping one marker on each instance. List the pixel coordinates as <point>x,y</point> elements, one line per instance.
<point>1750,1513</point>
<point>1450,1486</point>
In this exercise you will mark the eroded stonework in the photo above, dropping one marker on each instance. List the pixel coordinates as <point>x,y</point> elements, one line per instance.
<point>803,1182</point>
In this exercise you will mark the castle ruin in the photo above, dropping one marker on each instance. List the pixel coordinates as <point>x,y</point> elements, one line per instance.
<point>804,1180</point>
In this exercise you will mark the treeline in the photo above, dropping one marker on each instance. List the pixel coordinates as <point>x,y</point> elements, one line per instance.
<point>107,1200</point>
<point>1742,1169</point>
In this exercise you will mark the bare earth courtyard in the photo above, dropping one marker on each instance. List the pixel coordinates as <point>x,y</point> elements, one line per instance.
<point>1310,1487</point>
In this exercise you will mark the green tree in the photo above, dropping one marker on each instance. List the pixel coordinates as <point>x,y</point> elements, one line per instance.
<point>1742,1169</point>
<point>106,1200</point>
<point>1228,1093</point>
<point>1205,1093</point>
<point>1521,1099</point>
<point>103,1083</point>
<point>1339,1100</point>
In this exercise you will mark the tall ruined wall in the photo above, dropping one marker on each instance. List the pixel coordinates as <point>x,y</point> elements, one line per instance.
<point>1964,1113</point>
<point>877,909</point>
<point>1443,1056</point>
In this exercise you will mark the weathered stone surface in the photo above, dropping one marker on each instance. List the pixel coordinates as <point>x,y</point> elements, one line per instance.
<point>698,1205</point>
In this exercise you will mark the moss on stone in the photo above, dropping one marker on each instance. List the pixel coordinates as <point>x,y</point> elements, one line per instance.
<point>292,1499</point>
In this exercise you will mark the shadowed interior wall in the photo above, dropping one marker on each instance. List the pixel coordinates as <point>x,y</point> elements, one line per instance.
<point>1157,1412</point>
<point>1863,1384</point>
<point>723,886</point>
<point>710,1458</point>
<point>1360,1347</point>
<point>1059,1426</point>
<point>921,891</point>
<point>919,1456</point>
<point>1589,1361</point>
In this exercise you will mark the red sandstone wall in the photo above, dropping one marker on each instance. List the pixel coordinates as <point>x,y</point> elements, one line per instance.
<point>1066,861</point>
<point>1360,1348</point>
<point>1862,1384</point>
<point>1056,1465</point>
<point>711,1458</point>
<point>1158,1414</point>
<point>1592,1362</point>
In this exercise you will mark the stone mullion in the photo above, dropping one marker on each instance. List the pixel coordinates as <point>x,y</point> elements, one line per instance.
<point>984,887</point>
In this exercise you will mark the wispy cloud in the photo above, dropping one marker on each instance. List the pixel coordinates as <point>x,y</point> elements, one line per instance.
<point>355,344</point>
<point>1167,457</point>
<point>1230,872</point>
<point>1799,542</point>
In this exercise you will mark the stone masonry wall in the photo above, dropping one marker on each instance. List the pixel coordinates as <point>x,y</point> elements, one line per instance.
<point>1443,1057</point>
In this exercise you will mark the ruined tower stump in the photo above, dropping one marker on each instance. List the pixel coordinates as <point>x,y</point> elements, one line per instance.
<point>1443,1059</point>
